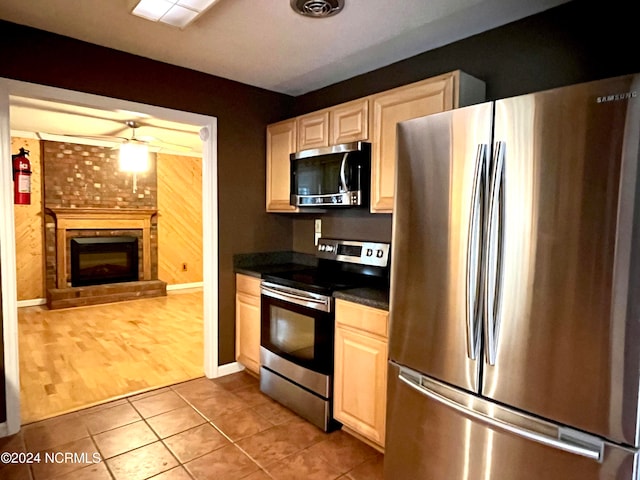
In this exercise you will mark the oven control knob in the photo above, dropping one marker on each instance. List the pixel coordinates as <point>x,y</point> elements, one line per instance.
<point>369,252</point>
<point>379,253</point>
<point>321,248</point>
<point>330,248</point>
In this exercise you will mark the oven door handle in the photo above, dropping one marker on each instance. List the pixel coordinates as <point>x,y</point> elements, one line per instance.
<point>297,299</point>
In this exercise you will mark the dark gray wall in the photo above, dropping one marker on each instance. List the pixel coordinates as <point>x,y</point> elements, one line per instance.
<point>575,42</point>
<point>243,112</point>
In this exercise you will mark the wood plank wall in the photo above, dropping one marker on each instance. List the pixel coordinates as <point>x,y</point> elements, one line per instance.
<point>179,218</point>
<point>29,228</point>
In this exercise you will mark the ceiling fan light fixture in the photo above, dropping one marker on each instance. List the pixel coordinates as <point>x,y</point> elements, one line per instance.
<point>317,8</point>
<point>177,13</point>
<point>134,157</point>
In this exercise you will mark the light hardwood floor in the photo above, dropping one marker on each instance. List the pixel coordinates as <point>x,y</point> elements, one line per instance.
<point>78,357</point>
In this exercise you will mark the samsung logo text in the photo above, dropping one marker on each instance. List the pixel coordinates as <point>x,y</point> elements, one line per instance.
<point>617,96</point>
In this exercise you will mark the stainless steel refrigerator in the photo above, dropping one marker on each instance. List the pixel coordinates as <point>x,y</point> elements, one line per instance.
<point>515,302</point>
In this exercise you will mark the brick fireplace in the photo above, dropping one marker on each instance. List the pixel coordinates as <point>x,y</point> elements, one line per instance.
<point>85,195</point>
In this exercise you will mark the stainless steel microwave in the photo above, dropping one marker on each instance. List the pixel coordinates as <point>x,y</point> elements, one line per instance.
<point>337,176</point>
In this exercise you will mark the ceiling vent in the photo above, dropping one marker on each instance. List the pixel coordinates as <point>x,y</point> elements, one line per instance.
<point>317,8</point>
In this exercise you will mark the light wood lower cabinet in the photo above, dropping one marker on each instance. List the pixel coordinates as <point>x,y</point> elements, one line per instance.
<point>360,372</point>
<point>248,322</point>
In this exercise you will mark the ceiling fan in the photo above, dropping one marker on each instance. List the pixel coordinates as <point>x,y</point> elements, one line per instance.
<point>149,140</point>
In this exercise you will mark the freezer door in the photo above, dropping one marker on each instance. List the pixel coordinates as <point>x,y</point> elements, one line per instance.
<point>437,432</point>
<point>438,221</point>
<point>563,325</point>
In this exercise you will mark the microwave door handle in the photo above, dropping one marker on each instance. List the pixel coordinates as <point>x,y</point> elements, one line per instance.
<point>343,174</point>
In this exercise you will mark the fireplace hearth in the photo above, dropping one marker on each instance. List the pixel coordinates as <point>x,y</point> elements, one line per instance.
<point>102,260</point>
<point>81,225</point>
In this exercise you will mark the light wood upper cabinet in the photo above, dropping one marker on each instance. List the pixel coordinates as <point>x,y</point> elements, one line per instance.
<point>426,97</point>
<point>281,142</point>
<point>349,122</point>
<point>344,123</point>
<point>313,130</point>
<point>371,119</point>
<point>360,371</point>
<point>248,322</point>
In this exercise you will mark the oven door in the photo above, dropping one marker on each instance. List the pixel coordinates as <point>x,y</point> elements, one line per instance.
<point>298,326</point>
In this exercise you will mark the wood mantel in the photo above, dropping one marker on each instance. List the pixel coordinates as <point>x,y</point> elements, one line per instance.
<point>100,219</point>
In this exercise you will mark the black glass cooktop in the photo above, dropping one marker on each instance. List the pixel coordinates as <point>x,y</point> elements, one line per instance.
<point>324,281</point>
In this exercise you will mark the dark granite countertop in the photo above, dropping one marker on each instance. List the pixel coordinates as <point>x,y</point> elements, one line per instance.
<point>371,297</point>
<point>260,270</point>
<point>260,264</point>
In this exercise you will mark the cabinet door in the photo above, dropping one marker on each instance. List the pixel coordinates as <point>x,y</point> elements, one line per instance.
<point>360,383</point>
<point>313,130</point>
<point>349,122</point>
<point>248,321</point>
<point>248,331</point>
<point>281,142</point>
<point>412,101</point>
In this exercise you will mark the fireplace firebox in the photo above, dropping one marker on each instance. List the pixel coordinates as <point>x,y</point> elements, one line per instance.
<point>99,260</point>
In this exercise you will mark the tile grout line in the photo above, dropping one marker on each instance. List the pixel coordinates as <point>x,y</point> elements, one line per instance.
<point>131,402</point>
<point>227,437</point>
<point>180,464</point>
<point>260,466</point>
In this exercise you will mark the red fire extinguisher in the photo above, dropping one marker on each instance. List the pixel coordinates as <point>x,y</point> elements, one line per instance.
<point>21,178</point>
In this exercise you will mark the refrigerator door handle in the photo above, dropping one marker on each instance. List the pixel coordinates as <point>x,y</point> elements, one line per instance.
<point>546,433</point>
<point>473,294</point>
<point>495,245</point>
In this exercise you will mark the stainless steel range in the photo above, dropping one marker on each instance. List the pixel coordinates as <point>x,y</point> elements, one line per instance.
<point>297,328</point>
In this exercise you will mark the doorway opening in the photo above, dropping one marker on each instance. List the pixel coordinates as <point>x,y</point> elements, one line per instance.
<point>207,126</point>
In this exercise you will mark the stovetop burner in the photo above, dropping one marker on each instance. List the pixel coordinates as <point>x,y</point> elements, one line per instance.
<point>342,264</point>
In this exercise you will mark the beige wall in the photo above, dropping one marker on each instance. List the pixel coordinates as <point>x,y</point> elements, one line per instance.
<point>29,228</point>
<point>179,218</point>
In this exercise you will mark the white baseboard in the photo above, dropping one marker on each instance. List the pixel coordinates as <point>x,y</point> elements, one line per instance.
<point>229,368</point>
<point>32,303</point>
<point>184,286</point>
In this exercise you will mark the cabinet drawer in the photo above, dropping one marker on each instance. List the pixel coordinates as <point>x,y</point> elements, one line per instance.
<point>368,319</point>
<point>247,284</point>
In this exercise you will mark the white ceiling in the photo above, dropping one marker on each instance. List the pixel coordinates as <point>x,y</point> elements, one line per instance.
<point>257,42</point>
<point>266,44</point>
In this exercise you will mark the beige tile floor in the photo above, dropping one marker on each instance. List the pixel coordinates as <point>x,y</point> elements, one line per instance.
<point>222,429</point>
